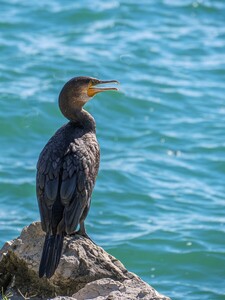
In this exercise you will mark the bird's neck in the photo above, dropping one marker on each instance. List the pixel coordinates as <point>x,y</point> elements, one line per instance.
<point>73,110</point>
<point>82,118</point>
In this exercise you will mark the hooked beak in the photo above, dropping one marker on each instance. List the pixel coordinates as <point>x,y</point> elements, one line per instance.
<point>92,90</point>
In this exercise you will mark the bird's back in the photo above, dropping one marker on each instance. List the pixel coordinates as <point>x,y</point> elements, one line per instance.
<point>66,174</point>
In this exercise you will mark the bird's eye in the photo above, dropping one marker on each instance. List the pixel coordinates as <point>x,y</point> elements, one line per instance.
<point>94,82</point>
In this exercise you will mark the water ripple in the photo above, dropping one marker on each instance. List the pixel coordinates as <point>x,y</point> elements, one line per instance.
<point>160,191</point>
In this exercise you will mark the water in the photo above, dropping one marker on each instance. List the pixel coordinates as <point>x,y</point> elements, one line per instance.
<point>159,201</point>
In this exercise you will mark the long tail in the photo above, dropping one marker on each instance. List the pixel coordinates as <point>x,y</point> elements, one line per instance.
<point>51,254</point>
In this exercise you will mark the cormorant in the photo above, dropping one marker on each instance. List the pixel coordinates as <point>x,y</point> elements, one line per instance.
<point>67,170</point>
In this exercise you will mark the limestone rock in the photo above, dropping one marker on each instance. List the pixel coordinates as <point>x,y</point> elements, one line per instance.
<point>110,289</point>
<point>85,271</point>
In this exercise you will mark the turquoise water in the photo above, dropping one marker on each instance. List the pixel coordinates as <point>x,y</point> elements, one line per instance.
<point>159,201</point>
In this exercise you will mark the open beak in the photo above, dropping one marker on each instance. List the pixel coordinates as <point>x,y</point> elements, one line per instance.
<point>92,89</point>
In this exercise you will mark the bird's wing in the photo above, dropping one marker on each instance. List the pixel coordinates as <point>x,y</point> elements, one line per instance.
<point>64,185</point>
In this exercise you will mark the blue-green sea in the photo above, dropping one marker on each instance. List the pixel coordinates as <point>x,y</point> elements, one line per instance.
<point>159,200</point>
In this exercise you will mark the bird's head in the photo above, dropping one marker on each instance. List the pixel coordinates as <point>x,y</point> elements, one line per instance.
<point>78,91</point>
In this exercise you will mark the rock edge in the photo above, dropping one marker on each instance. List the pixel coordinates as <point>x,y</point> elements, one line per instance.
<point>85,271</point>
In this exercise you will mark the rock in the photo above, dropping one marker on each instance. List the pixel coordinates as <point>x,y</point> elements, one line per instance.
<point>110,289</point>
<point>85,271</point>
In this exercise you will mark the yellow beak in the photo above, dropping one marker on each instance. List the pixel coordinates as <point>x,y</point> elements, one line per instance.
<point>92,90</point>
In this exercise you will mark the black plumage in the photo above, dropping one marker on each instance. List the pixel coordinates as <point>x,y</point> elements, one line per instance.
<point>66,171</point>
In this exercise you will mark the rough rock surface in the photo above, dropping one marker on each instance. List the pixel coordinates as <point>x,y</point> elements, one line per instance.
<point>85,271</point>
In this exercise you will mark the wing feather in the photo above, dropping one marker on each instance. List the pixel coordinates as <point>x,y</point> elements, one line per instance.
<point>67,189</point>
<point>65,180</point>
<point>51,189</point>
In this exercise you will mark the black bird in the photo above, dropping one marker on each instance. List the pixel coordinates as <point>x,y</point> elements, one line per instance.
<point>67,170</point>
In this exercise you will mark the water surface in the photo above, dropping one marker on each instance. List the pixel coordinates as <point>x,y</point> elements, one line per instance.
<point>159,202</point>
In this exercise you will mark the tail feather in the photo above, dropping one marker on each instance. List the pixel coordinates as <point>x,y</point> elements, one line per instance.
<point>51,254</point>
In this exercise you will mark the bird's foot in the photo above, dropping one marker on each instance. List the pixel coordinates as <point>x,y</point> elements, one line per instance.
<point>83,234</point>
<point>73,233</point>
